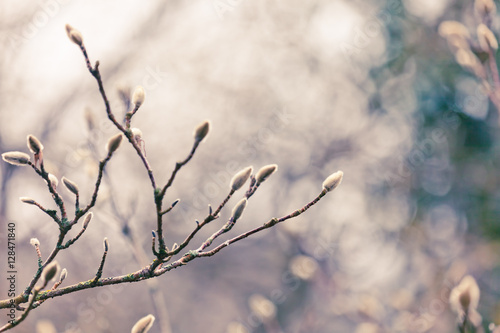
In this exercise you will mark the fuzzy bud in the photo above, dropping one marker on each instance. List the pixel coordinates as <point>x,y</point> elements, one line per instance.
<point>265,172</point>
<point>450,28</point>
<point>262,307</point>
<point>367,327</point>
<point>16,158</point>
<point>456,43</point>
<point>332,181</point>
<point>487,39</point>
<point>144,324</point>
<point>74,35</point>
<point>27,200</point>
<point>106,244</point>
<point>240,178</point>
<point>45,326</point>
<point>456,34</point>
<point>64,274</point>
<point>485,7</point>
<point>87,219</point>
<point>303,267</point>
<point>468,60</point>
<point>114,143</point>
<point>137,133</point>
<point>90,119</point>
<point>138,97</point>
<point>238,209</point>
<point>34,144</point>
<point>235,327</point>
<point>53,180</point>
<point>465,296</point>
<point>50,271</point>
<point>201,131</point>
<point>71,186</point>
<point>35,242</point>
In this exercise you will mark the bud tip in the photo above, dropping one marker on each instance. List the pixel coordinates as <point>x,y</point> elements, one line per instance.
<point>332,181</point>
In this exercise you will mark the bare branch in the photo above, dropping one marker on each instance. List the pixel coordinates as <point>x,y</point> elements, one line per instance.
<point>158,266</point>
<point>178,166</point>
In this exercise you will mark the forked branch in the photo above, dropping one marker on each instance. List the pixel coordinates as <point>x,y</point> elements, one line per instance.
<point>35,296</point>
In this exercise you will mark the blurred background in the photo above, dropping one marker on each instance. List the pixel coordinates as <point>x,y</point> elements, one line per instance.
<point>367,87</point>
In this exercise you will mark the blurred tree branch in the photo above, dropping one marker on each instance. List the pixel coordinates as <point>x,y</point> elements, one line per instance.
<point>35,295</point>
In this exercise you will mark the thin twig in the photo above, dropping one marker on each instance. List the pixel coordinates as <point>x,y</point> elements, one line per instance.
<point>171,207</point>
<point>228,226</point>
<point>57,198</point>
<point>101,265</point>
<point>49,212</point>
<point>153,244</point>
<point>74,239</point>
<point>162,253</point>
<point>252,188</point>
<point>97,185</point>
<point>97,75</point>
<point>463,326</point>
<point>129,115</point>
<point>25,295</point>
<point>178,166</point>
<point>77,203</point>
<point>39,255</point>
<point>208,219</point>
<point>54,287</point>
<point>215,214</point>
